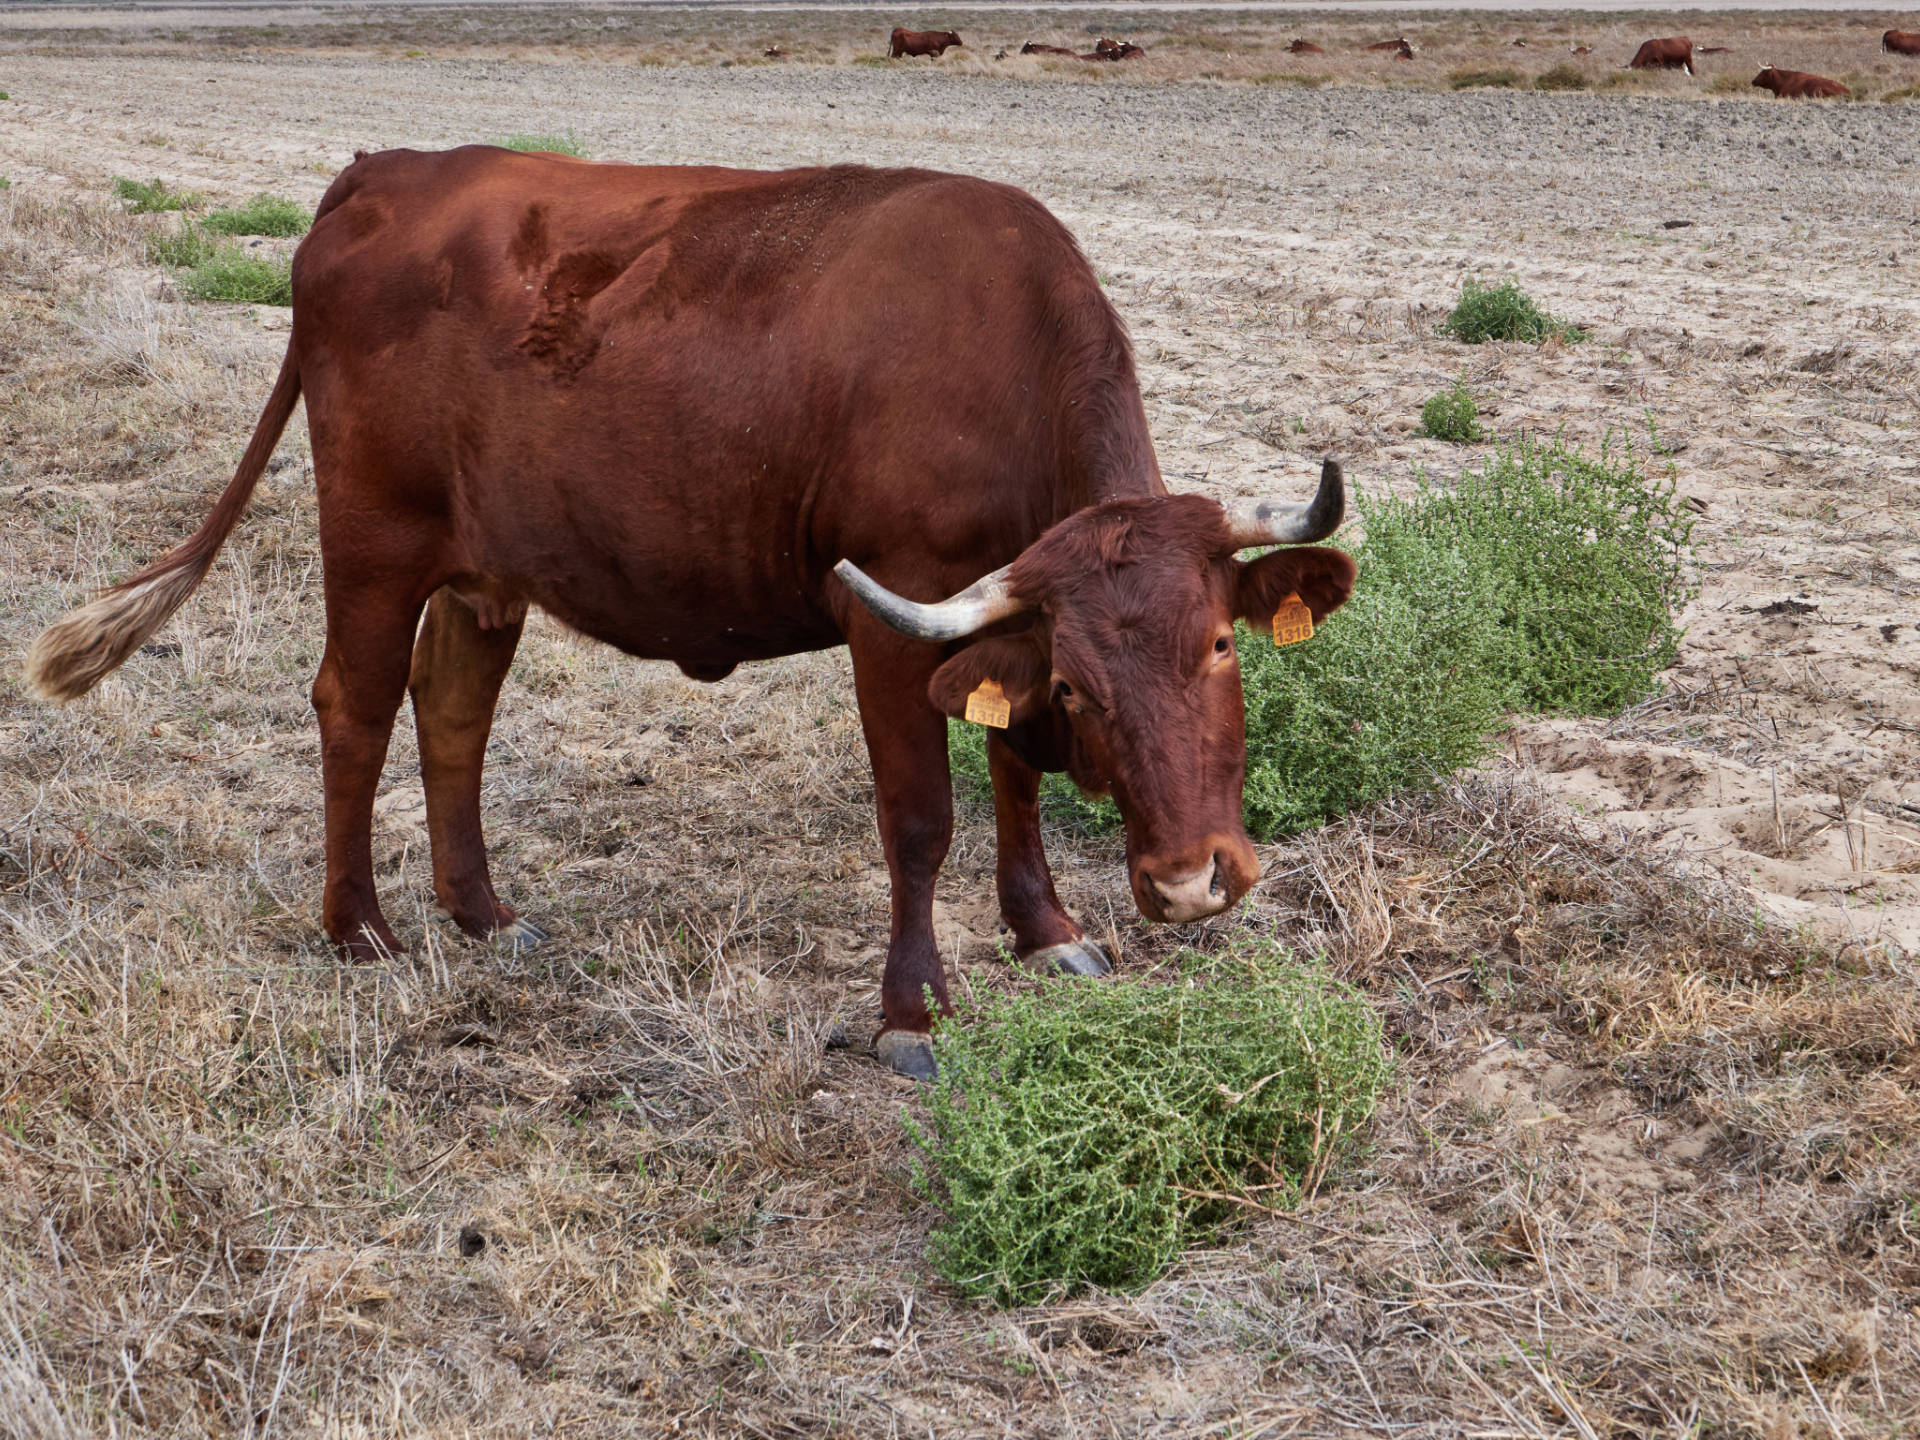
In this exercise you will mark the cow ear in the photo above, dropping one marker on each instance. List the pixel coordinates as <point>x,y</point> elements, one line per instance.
<point>1319,575</point>
<point>1016,662</point>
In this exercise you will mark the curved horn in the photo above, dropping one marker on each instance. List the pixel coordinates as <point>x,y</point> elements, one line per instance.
<point>1261,522</point>
<point>974,608</point>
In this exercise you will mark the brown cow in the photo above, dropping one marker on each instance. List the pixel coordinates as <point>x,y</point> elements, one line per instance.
<point>690,412</point>
<point>1034,47</point>
<point>1901,42</point>
<point>1105,49</point>
<point>1306,47</point>
<point>1399,44</point>
<point>1799,85</point>
<point>933,43</point>
<point>1673,53</point>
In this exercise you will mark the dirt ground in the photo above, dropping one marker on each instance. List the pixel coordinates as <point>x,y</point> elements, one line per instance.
<point>1653,1162</point>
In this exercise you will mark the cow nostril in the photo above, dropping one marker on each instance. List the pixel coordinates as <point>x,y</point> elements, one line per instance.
<point>1217,882</point>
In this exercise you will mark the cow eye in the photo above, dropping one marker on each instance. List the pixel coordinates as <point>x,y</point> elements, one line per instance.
<point>1062,691</point>
<point>1223,647</point>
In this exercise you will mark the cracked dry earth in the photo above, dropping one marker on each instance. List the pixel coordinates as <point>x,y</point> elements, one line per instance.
<point>1746,269</point>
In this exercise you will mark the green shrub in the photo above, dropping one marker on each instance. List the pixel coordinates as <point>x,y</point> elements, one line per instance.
<point>1563,76</point>
<point>5,182</point>
<point>566,144</point>
<point>1502,79</point>
<point>1906,92</point>
<point>1079,1134</point>
<point>1503,312</point>
<point>181,247</point>
<point>144,196</point>
<point>1401,686</point>
<point>230,273</point>
<point>1728,85</point>
<point>262,215</point>
<point>1591,564</point>
<point>1546,582</point>
<point>1452,415</point>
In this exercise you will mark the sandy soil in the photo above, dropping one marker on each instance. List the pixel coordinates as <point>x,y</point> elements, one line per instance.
<point>1283,256</point>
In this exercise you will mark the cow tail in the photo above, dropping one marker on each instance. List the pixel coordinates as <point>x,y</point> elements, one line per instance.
<point>76,653</point>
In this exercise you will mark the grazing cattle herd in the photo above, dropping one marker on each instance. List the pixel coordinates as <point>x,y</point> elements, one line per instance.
<point>1671,52</point>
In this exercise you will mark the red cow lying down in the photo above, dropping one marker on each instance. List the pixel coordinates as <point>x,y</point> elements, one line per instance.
<point>1901,42</point>
<point>1798,85</point>
<point>713,416</point>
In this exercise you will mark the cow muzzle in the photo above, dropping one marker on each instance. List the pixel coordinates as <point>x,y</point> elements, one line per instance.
<point>1191,887</point>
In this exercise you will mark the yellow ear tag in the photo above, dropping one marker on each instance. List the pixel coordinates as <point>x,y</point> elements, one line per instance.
<point>1292,622</point>
<point>988,705</point>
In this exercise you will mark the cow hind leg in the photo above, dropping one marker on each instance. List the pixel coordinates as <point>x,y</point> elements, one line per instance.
<point>459,663</point>
<point>356,695</point>
<point>1044,935</point>
<point>913,792</point>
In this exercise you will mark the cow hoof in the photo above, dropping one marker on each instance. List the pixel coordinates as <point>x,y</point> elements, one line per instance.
<point>908,1053</point>
<point>521,936</point>
<point>1075,957</point>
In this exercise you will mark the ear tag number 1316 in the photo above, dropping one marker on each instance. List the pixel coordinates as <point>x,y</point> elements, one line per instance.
<point>988,705</point>
<point>1292,622</point>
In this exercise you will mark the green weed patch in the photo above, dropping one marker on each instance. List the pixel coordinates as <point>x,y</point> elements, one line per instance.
<point>1084,1134</point>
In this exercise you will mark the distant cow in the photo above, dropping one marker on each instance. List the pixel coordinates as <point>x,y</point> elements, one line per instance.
<point>933,43</point>
<point>1105,49</point>
<point>1400,44</point>
<point>1519,44</point>
<point>1034,47</point>
<point>1673,53</point>
<point>1306,47</point>
<point>1405,52</point>
<point>1711,49</point>
<point>1901,42</point>
<point>1798,85</point>
<point>1583,49</point>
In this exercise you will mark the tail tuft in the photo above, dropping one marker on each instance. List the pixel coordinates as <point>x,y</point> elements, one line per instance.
<point>76,653</point>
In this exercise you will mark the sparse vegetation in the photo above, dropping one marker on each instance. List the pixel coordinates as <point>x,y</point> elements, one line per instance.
<point>1303,80</point>
<point>1905,92</point>
<point>233,274</point>
<point>273,215</point>
<point>146,196</point>
<point>1452,415</point>
<point>565,143</point>
<point>1504,312</point>
<point>1563,76</point>
<point>1501,79</point>
<point>181,247</point>
<point>1085,1134</point>
<point>1545,581</point>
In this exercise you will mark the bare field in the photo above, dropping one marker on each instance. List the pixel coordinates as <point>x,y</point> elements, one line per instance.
<point>1652,1164</point>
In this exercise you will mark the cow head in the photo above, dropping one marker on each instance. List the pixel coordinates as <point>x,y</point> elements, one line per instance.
<point>1766,79</point>
<point>1126,675</point>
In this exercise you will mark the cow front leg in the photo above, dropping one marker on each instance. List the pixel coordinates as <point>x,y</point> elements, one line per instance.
<point>458,667</point>
<point>1044,935</point>
<point>907,744</point>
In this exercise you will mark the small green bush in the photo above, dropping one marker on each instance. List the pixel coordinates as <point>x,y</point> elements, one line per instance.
<point>5,182</point>
<point>1502,79</point>
<point>1401,686</point>
<point>1503,312</point>
<point>1564,76</point>
<point>145,196</point>
<point>566,144</point>
<point>1906,92</point>
<point>1545,582</point>
<point>1080,1134</point>
<point>230,273</point>
<point>182,247</point>
<point>1452,415</point>
<point>262,215</point>
<point>1591,560</point>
